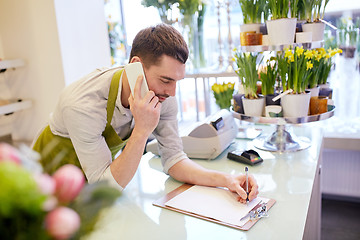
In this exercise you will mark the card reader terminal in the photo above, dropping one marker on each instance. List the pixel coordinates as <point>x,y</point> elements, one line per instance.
<point>250,157</point>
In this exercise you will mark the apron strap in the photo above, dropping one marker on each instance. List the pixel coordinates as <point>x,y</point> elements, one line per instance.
<point>113,92</point>
<point>114,142</point>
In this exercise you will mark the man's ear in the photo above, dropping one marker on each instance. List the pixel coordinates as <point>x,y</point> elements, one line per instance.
<point>135,59</point>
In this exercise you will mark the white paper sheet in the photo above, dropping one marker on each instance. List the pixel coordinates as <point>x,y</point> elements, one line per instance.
<point>217,203</point>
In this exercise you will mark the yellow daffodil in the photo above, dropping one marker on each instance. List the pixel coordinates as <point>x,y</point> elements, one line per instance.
<point>309,65</point>
<point>288,53</point>
<point>223,94</point>
<point>308,54</point>
<point>221,88</point>
<point>332,52</point>
<point>323,54</point>
<point>291,59</point>
<point>321,50</point>
<point>216,88</point>
<point>299,51</point>
<point>318,56</point>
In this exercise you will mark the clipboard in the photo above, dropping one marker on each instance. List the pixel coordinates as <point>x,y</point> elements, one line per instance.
<point>162,201</point>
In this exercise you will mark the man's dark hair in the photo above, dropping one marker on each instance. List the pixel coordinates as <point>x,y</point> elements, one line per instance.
<point>152,42</point>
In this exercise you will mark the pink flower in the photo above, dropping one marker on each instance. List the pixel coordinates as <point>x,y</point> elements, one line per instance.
<point>62,222</point>
<point>47,186</point>
<point>9,153</point>
<point>45,183</point>
<point>69,182</point>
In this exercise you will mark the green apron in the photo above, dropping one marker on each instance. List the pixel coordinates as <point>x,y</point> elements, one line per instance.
<point>57,151</point>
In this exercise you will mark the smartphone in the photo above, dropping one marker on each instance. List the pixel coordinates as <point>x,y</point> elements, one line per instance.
<point>133,70</point>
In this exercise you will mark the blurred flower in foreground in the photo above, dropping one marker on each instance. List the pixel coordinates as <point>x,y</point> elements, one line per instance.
<point>62,222</point>
<point>34,205</point>
<point>69,182</point>
<point>8,153</point>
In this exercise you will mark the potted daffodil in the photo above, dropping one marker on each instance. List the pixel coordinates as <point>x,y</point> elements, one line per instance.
<point>281,29</point>
<point>268,76</point>
<point>252,12</point>
<point>322,63</point>
<point>246,70</point>
<point>295,71</point>
<point>223,94</point>
<point>314,13</point>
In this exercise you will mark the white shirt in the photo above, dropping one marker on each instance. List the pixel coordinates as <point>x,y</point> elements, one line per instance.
<point>80,115</point>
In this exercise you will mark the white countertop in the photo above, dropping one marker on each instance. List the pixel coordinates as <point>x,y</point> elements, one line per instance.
<point>288,178</point>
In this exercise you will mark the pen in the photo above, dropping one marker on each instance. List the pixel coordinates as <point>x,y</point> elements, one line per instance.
<point>247,184</point>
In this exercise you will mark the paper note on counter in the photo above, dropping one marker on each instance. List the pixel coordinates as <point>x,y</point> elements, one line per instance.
<point>216,203</point>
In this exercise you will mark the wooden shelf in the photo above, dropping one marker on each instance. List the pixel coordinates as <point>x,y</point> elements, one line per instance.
<point>5,64</point>
<point>15,106</point>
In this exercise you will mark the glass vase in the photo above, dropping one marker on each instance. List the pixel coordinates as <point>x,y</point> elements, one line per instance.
<point>189,30</point>
<point>193,33</point>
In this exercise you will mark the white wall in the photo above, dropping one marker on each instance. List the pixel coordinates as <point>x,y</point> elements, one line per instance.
<point>83,37</point>
<point>55,53</point>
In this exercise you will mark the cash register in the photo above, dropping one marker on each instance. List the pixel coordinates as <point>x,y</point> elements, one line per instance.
<point>206,139</point>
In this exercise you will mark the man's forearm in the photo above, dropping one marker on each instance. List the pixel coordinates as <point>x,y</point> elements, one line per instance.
<point>124,167</point>
<point>190,172</point>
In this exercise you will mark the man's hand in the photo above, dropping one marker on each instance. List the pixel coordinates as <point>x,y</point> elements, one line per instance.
<point>190,172</point>
<point>237,184</point>
<point>146,111</point>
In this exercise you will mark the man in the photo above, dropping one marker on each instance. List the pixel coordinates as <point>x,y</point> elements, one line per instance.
<point>97,115</point>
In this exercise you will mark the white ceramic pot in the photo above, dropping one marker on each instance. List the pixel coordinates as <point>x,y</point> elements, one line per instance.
<point>317,30</point>
<point>253,107</point>
<point>296,105</point>
<point>281,31</point>
<point>265,40</point>
<point>303,37</point>
<point>326,85</point>
<point>249,27</point>
<point>314,92</point>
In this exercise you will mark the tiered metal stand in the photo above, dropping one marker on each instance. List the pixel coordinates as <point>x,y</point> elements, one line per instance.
<point>263,48</point>
<point>281,140</point>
